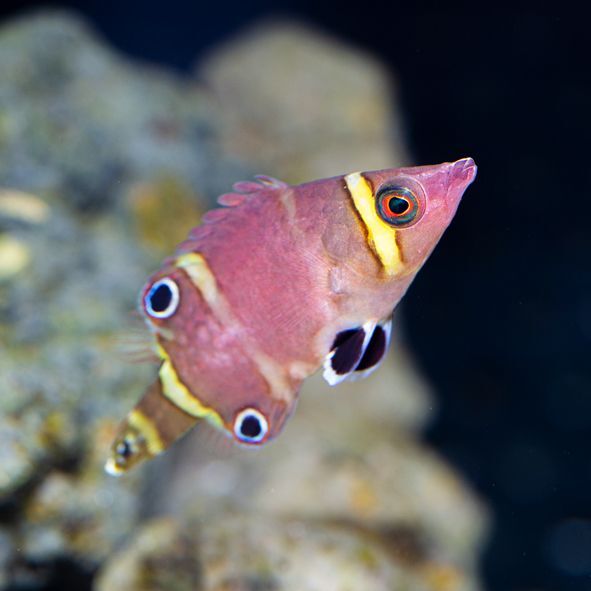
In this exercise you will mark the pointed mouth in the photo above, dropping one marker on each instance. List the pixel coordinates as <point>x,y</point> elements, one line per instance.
<point>463,172</point>
<point>460,175</point>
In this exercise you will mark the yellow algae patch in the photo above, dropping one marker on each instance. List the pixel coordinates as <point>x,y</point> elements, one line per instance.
<point>14,256</point>
<point>164,211</point>
<point>363,497</point>
<point>442,577</point>
<point>23,206</point>
<point>381,237</point>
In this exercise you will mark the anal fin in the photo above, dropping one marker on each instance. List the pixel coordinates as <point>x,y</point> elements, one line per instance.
<point>346,353</point>
<point>357,352</point>
<point>376,349</point>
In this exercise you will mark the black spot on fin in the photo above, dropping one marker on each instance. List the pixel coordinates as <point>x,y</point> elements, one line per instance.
<point>356,352</point>
<point>375,350</point>
<point>348,348</point>
<point>343,336</point>
<point>346,353</point>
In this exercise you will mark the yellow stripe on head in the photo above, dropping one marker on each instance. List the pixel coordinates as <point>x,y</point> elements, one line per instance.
<point>381,237</point>
<point>180,396</point>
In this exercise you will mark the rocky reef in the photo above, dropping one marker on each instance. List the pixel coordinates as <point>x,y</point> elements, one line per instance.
<point>104,165</point>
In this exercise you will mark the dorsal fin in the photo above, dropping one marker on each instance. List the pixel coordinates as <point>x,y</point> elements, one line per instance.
<point>269,181</point>
<point>243,189</point>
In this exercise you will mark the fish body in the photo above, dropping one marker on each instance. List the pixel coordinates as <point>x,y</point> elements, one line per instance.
<point>281,281</point>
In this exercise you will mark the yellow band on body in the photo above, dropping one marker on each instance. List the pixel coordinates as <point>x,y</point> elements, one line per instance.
<point>380,236</point>
<point>202,277</point>
<point>200,274</point>
<point>179,394</point>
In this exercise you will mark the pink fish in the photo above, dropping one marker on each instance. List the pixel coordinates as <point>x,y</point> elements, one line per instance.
<point>282,281</point>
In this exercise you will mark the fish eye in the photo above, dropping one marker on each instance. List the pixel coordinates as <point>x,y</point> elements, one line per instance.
<point>162,299</point>
<point>398,206</point>
<point>250,426</point>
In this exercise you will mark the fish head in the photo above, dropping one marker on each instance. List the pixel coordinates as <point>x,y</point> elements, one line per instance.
<point>412,208</point>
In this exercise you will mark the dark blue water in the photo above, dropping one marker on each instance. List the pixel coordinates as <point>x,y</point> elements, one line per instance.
<point>500,318</point>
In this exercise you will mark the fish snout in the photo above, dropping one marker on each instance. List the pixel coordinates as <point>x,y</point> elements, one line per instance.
<point>462,172</point>
<point>459,175</point>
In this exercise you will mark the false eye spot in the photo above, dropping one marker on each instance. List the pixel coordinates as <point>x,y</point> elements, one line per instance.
<point>250,426</point>
<point>398,206</point>
<point>162,299</point>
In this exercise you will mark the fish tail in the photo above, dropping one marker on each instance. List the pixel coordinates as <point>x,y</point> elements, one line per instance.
<point>149,429</point>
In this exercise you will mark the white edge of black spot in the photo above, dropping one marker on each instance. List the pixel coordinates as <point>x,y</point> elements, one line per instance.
<point>328,373</point>
<point>174,304</point>
<point>240,418</point>
<point>387,327</point>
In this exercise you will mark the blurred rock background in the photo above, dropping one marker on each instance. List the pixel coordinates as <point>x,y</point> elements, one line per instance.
<point>104,166</point>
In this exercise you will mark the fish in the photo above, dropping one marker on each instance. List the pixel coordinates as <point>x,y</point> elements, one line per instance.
<point>280,282</point>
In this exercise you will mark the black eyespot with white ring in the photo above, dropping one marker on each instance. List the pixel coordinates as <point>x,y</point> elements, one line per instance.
<point>250,426</point>
<point>162,299</point>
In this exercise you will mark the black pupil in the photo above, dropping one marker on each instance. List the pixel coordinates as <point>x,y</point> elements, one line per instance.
<point>251,427</point>
<point>398,205</point>
<point>160,298</point>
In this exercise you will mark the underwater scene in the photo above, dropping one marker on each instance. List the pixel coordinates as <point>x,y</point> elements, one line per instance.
<point>217,369</point>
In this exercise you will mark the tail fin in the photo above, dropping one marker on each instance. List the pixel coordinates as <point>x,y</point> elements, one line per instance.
<point>149,429</point>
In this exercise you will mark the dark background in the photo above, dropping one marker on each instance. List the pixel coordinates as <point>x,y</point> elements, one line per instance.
<point>507,345</point>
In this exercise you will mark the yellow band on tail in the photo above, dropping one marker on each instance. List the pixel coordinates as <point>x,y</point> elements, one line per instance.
<point>140,422</point>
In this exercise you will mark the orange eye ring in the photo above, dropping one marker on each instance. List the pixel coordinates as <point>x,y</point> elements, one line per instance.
<point>398,206</point>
